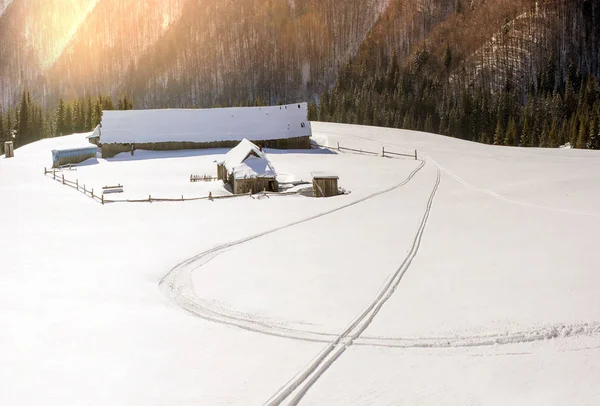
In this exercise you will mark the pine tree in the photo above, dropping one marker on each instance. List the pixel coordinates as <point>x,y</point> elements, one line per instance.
<point>97,113</point>
<point>68,123</point>
<point>499,134</point>
<point>583,137</point>
<point>313,114</point>
<point>24,120</point>
<point>428,126</point>
<point>526,138</point>
<point>544,136</point>
<point>89,115</point>
<point>573,130</point>
<point>553,135</point>
<point>60,118</point>
<point>594,137</point>
<point>511,133</point>
<point>563,135</point>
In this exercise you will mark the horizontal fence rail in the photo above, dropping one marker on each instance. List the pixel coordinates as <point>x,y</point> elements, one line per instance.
<point>60,178</point>
<point>384,152</point>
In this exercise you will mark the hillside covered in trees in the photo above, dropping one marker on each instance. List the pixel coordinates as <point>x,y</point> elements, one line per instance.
<point>519,72</point>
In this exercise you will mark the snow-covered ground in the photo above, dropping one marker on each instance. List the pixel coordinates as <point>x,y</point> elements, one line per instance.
<point>467,277</point>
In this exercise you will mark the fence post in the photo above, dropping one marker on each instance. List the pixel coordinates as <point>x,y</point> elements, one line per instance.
<point>92,193</point>
<point>84,191</point>
<point>182,198</point>
<point>102,199</point>
<point>210,196</point>
<point>383,152</point>
<point>77,184</point>
<point>150,198</point>
<point>415,154</point>
<point>63,179</point>
<point>54,175</point>
<point>338,146</point>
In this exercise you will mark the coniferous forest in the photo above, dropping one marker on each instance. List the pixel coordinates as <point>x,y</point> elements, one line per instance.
<point>519,73</point>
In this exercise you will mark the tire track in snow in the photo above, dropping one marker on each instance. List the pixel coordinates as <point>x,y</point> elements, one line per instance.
<point>177,284</point>
<point>297,387</point>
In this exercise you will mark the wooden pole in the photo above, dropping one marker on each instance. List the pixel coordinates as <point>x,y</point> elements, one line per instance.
<point>415,154</point>
<point>54,175</point>
<point>63,179</point>
<point>338,144</point>
<point>77,183</point>
<point>102,199</point>
<point>150,198</point>
<point>383,152</point>
<point>84,191</point>
<point>210,196</point>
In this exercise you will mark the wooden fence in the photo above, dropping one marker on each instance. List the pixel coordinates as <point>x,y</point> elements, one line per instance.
<point>384,153</point>
<point>60,177</point>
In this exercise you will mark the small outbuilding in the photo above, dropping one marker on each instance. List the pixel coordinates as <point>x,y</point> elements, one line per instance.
<point>247,169</point>
<point>9,149</point>
<point>72,156</point>
<point>325,184</point>
<point>94,138</point>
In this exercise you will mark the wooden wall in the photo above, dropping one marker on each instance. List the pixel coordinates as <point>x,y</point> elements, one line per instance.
<point>325,187</point>
<point>110,150</point>
<point>256,185</point>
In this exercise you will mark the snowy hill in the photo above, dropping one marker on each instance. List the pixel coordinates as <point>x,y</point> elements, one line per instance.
<point>468,276</point>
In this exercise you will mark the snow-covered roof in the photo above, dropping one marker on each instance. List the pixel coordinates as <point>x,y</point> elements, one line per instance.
<point>95,133</point>
<point>205,125</point>
<point>246,160</point>
<point>324,175</point>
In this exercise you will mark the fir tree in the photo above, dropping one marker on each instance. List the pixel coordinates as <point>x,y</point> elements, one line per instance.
<point>89,115</point>
<point>24,120</point>
<point>583,137</point>
<point>553,135</point>
<point>526,138</point>
<point>499,134</point>
<point>511,133</point>
<point>544,136</point>
<point>60,119</point>
<point>594,137</point>
<point>68,123</point>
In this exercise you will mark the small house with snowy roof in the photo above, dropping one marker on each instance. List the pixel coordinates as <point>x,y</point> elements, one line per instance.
<point>246,168</point>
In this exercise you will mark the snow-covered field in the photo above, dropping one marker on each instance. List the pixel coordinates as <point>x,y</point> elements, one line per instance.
<point>467,277</point>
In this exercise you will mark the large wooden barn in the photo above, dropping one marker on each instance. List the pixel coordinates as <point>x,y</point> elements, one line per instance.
<point>280,127</point>
<point>247,169</point>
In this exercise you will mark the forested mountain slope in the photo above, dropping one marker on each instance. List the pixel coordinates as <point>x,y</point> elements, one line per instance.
<point>518,72</point>
<point>521,73</point>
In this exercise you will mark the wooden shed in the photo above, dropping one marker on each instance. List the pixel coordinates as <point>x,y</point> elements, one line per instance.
<point>325,184</point>
<point>9,150</point>
<point>247,169</point>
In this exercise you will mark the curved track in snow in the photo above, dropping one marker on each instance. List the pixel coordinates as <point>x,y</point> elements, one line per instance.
<point>177,284</point>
